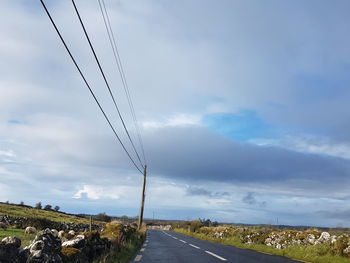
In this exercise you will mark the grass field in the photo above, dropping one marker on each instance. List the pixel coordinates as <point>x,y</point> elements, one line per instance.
<point>23,211</point>
<point>314,253</point>
<point>25,238</point>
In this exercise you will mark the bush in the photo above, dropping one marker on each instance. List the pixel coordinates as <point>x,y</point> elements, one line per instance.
<point>38,206</point>
<point>48,207</point>
<point>103,217</point>
<point>57,208</point>
<point>338,246</point>
<point>195,225</point>
<point>113,231</point>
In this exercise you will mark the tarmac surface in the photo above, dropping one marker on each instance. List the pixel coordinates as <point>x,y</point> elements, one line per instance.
<point>172,247</point>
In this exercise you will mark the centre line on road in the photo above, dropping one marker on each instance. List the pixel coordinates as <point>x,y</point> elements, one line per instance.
<point>194,246</point>
<point>211,253</point>
<point>175,238</point>
<point>183,241</point>
<point>138,258</point>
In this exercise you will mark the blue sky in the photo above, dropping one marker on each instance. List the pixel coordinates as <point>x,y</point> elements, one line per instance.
<point>243,107</point>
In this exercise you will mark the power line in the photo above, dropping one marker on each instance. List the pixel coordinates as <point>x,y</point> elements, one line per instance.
<point>117,58</point>
<point>87,85</point>
<point>105,80</point>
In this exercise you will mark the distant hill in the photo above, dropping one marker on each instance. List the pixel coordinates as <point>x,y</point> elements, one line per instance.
<point>30,212</point>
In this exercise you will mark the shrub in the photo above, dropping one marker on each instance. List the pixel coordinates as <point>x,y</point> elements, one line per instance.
<point>38,206</point>
<point>102,217</point>
<point>195,226</point>
<point>57,208</point>
<point>340,245</point>
<point>113,231</point>
<point>71,254</point>
<point>48,207</point>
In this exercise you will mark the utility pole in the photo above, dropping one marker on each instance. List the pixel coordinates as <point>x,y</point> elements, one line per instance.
<point>143,196</point>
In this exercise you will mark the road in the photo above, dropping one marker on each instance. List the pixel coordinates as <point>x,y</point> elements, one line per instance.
<point>171,247</point>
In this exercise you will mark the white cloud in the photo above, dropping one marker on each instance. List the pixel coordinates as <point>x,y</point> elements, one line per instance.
<point>178,120</point>
<point>99,192</point>
<point>309,144</point>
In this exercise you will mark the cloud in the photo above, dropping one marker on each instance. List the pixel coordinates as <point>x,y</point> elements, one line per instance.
<point>199,191</point>
<point>337,214</point>
<point>178,120</point>
<point>310,144</point>
<point>97,192</point>
<point>283,64</point>
<point>195,153</point>
<point>250,199</point>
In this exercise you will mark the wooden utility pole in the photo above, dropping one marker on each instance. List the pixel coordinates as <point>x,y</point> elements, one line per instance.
<point>143,196</point>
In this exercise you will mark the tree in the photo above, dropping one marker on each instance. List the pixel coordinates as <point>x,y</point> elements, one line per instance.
<point>103,217</point>
<point>48,207</point>
<point>57,208</point>
<point>38,206</point>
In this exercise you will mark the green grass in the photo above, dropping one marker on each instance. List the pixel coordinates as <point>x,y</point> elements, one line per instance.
<point>314,254</point>
<point>22,211</point>
<point>25,238</point>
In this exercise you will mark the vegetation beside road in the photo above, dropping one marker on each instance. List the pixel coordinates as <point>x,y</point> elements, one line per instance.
<point>318,253</point>
<point>125,250</point>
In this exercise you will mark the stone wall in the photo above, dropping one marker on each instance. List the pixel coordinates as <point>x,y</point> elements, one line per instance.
<point>40,223</point>
<point>47,247</point>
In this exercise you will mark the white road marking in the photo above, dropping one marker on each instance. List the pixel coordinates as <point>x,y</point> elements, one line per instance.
<point>138,258</point>
<point>194,246</point>
<point>174,237</point>
<point>145,245</point>
<point>142,249</point>
<point>211,253</point>
<point>183,241</point>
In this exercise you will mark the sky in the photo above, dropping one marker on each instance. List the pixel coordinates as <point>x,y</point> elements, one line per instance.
<point>242,107</point>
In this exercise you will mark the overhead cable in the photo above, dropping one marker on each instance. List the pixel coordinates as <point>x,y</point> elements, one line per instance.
<point>117,58</point>
<point>106,81</point>
<point>87,85</point>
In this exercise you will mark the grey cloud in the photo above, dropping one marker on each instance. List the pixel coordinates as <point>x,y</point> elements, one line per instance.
<point>250,199</point>
<point>204,192</point>
<point>194,153</point>
<point>336,214</point>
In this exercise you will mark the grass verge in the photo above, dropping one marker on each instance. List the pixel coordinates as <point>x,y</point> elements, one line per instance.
<point>313,254</point>
<point>125,253</point>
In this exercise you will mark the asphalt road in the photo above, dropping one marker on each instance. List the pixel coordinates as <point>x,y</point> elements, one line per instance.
<point>171,247</point>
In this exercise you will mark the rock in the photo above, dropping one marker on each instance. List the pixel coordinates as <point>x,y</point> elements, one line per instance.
<point>54,232</point>
<point>30,230</point>
<point>333,239</point>
<point>346,251</point>
<point>12,240</point>
<point>3,225</point>
<point>45,248</point>
<point>325,237</point>
<point>78,242</point>
<point>71,232</point>
<point>311,238</point>
<point>61,234</point>
<point>9,252</point>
